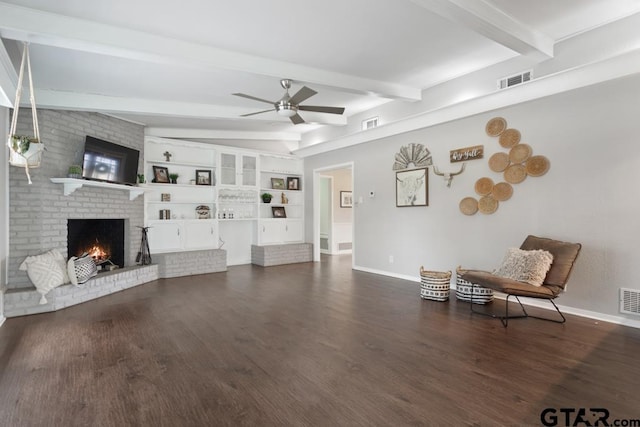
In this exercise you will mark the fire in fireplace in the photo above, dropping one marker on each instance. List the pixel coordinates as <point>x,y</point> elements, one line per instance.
<point>102,239</point>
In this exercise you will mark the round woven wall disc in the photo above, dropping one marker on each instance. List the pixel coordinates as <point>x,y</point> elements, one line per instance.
<point>515,174</point>
<point>499,162</point>
<point>502,191</point>
<point>468,206</point>
<point>537,165</point>
<point>496,126</point>
<point>519,153</point>
<point>509,138</point>
<point>484,186</point>
<point>487,205</point>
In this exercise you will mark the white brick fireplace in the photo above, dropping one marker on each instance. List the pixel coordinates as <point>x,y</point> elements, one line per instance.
<point>38,213</point>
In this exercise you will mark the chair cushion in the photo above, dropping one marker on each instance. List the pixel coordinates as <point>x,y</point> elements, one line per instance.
<point>564,256</point>
<point>525,266</point>
<point>510,286</point>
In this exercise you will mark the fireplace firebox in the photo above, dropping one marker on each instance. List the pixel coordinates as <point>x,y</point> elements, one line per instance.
<point>102,239</point>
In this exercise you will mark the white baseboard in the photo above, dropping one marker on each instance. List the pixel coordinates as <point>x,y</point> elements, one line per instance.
<point>387,273</point>
<point>618,320</point>
<point>2,319</point>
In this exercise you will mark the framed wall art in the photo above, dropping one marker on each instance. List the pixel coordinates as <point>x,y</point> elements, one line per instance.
<point>278,212</point>
<point>277,183</point>
<point>346,199</point>
<point>293,183</point>
<point>203,177</point>
<point>412,188</point>
<point>161,174</point>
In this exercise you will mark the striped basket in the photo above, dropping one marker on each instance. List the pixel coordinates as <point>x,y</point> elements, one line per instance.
<point>465,289</point>
<point>434,285</point>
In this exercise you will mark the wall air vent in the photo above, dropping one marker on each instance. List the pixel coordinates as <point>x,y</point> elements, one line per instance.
<point>370,123</point>
<point>515,79</point>
<point>629,301</point>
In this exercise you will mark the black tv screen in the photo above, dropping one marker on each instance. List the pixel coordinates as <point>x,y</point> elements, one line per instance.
<point>109,162</point>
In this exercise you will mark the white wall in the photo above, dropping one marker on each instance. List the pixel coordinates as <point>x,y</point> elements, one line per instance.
<point>590,195</point>
<point>4,207</point>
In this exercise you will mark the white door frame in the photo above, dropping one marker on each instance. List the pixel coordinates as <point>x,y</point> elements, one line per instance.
<point>329,178</point>
<point>316,208</point>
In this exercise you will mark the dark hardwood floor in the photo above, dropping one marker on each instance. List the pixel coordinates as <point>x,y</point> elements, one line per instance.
<point>305,344</point>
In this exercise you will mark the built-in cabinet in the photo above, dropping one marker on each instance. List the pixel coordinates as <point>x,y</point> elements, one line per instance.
<point>225,208</point>
<point>180,215</point>
<point>280,220</point>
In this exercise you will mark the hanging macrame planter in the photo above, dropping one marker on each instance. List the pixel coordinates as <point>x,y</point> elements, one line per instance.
<point>25,151</point>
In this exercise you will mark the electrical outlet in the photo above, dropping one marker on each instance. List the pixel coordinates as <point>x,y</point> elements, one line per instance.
<point>390,259</point>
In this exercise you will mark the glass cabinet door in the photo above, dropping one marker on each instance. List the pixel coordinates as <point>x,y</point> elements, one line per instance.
<point>249,170</point>
<point>227,169</point>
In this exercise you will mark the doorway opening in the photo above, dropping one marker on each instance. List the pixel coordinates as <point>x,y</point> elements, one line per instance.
<point>333,211</point>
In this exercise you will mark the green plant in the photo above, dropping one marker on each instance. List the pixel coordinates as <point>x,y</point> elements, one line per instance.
<point>141,178</point>
<point>20,143</point>
<point>266,197</point>
<point>173,177</point>
<point>75,170</point>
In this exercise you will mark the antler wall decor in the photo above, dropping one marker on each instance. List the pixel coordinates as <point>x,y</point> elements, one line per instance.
<point>448,176</point>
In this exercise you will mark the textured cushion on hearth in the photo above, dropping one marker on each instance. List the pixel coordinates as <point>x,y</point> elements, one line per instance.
<point>81,269</point>
<point>46,271</point>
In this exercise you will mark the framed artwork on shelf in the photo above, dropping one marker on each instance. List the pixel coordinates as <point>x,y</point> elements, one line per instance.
<point>278,212</point>
<point>411,188</point>
<point>277,183</point>
<point>346,199</point>
<point>203,177</point>
<point>161,174</point>
<point>293,183</point>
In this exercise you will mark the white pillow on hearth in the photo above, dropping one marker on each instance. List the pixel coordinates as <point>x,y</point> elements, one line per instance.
<point>46,271</point>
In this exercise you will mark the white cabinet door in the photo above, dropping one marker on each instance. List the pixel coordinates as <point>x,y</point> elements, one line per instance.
<point>200,234</point>
<point>164,236</point>
<point>293,231</point>
<point>271,231</point>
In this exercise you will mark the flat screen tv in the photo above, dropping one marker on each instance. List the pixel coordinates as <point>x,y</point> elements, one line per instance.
<point>109,162</point>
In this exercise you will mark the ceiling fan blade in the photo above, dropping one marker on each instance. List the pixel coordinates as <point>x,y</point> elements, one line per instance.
<point>296,119</point>
<point>319,109</point>
<point>301,95</point>
<point>253,97</point>
<point>259,112</point>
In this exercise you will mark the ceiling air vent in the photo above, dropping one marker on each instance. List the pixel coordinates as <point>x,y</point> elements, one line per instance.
<point>516,79</point>
<point>629,301</point>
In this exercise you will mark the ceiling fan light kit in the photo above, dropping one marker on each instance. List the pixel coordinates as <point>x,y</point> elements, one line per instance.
<point>286,109</point>
<point>288,106</point>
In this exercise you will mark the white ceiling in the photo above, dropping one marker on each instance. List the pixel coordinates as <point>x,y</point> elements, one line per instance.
<point>173,66</point>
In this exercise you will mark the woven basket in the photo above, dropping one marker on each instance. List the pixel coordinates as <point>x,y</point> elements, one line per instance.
<point>466,289</point>
<point>434,285</point>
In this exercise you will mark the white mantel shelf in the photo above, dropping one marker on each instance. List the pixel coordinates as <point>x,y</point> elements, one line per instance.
<point>72,184</point>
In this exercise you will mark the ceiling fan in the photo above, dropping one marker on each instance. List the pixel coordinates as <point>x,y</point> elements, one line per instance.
<point>288,106</point>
